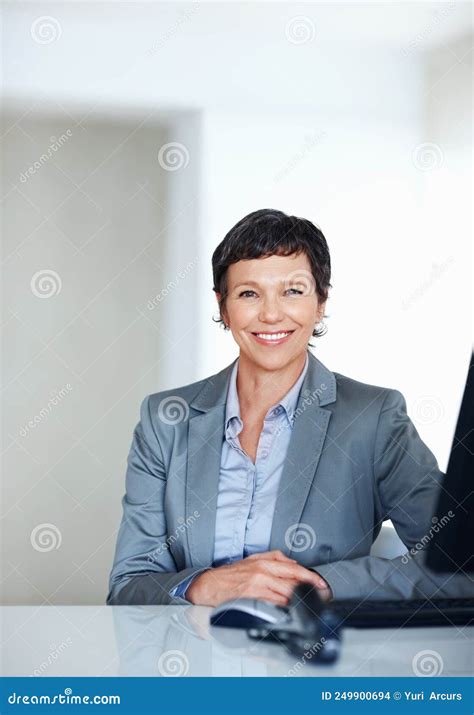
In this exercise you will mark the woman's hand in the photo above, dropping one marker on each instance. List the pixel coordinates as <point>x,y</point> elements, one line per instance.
<point>270,576</point>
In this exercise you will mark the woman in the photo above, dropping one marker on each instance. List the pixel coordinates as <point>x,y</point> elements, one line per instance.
<point>275,470</point>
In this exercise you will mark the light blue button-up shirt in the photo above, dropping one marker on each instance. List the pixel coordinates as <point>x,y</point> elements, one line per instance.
<point>247,492</point>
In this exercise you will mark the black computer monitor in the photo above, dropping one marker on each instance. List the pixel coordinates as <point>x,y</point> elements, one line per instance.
<point>452,546</point>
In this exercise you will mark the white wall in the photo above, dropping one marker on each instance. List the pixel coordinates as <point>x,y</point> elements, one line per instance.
<point>114,230</point>
<point>445,310</point>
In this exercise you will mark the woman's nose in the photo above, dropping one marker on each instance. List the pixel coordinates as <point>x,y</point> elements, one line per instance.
<point>271,311</point>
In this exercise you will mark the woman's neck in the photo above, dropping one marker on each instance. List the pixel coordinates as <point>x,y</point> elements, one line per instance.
<point>258,389</point>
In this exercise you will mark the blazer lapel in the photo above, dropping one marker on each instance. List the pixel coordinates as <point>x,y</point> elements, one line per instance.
<point>205,437</point>
<point>306,444</point>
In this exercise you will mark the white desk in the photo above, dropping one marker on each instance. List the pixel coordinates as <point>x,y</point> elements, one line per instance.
<point>161,640</point>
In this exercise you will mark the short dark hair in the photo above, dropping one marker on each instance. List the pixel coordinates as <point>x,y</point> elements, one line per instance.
<point>268,232</point>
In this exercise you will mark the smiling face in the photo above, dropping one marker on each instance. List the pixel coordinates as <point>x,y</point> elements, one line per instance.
<point>272,307</point>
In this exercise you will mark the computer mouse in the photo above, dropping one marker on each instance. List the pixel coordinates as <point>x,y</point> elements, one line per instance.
<point>247,613</point>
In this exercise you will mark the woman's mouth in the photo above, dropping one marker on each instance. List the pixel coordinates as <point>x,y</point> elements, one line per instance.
<point>275,338</point>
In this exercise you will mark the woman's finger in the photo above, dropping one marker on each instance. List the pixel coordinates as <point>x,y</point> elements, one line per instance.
<point>282,587</point>
<point>290,570</point>
<point>275,598</point>
<point>275,555</point>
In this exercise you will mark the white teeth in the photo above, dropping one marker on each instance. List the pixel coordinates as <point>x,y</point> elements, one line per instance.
<point>275,336</point>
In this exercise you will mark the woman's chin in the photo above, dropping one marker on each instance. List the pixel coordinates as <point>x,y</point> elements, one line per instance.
<point>273,358</point>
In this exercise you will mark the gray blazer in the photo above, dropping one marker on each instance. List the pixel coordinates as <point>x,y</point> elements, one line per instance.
<point>354,460</point>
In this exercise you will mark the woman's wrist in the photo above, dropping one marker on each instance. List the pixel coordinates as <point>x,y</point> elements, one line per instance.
<point>194,592</point>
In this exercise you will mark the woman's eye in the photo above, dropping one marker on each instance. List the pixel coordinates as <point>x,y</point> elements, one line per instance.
<point>246,293</point>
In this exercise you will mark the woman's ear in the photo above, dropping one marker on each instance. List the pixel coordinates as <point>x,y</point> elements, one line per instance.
<point>320,312</point>
<point>222,313</point>
<point>218,298</point>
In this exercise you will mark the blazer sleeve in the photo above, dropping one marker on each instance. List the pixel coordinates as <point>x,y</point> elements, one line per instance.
<point>406,483</point>
<point>142,572</point>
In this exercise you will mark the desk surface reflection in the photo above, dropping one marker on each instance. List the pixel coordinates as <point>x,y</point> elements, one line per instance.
<point>169,641</point>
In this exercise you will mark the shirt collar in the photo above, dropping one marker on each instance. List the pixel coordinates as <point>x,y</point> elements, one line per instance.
<point>288,402</point>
